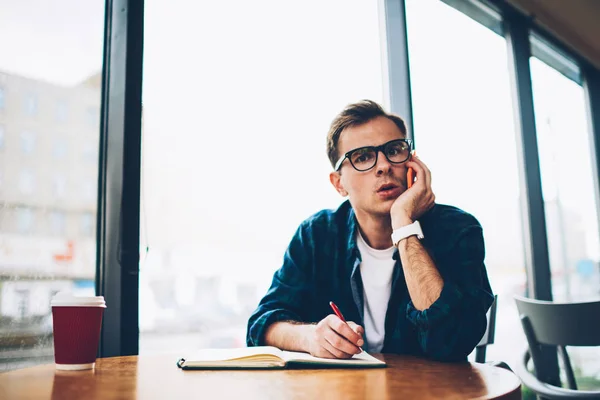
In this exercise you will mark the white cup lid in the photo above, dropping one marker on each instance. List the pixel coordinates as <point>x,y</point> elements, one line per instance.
<point>67,299</point>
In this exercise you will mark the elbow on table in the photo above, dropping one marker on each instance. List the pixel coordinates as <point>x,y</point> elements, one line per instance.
<point>456,347</point>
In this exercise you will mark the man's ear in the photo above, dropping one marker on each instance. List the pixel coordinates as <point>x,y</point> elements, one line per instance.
<point>336,180</point>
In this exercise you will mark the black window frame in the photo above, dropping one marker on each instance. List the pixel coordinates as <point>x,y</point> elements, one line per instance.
<point>118,217</point>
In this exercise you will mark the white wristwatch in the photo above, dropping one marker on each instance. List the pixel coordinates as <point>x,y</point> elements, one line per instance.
<point>406,231</point>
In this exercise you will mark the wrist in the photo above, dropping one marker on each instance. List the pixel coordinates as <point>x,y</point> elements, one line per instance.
<point>405,231</point>
<point>399,221</point>
<point>307,337</point>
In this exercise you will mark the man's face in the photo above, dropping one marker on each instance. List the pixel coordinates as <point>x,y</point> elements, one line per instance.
<point>372,191</point>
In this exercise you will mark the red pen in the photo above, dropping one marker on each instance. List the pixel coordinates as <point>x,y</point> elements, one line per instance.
<point>337,312</point>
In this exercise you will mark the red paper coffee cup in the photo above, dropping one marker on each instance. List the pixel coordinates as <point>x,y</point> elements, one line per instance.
<point>76,324</point>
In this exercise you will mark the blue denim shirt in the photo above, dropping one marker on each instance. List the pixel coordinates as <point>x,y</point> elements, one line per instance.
<point>322,264</point>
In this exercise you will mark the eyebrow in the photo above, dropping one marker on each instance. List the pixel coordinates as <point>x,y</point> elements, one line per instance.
<point>375,145</point>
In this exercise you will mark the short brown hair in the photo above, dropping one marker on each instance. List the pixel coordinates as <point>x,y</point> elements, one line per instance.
<point>353,115</point>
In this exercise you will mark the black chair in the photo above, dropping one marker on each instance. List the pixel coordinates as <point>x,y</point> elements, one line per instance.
<point>488,336</point>
<point>557,325</point>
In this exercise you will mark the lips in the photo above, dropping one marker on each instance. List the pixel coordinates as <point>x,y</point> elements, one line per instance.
<point>389,191</point>
<point>386,187</point>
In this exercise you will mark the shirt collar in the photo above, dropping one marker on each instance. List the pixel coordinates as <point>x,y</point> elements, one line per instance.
<point>352,227</point>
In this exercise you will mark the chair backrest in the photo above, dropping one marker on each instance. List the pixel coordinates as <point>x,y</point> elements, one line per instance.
<point>490,332</point>
<point>562,324</point>
<point>546,323</point>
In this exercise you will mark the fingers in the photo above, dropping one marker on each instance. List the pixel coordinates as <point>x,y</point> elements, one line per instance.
<point>338,346</point>
<point>422,172</point>
<point>357,328</point>
<point>334,338</point>
<point>343,329</point>
<point>421,189</point>
<point>324,353</point>
<point>425,169</point>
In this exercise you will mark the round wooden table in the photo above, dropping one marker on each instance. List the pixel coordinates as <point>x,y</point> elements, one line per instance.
<point>157,377</point>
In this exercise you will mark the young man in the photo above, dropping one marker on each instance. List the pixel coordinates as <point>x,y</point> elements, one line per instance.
<point>408,274</point>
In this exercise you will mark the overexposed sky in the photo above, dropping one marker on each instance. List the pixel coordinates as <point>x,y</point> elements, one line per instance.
<point>57,41</point>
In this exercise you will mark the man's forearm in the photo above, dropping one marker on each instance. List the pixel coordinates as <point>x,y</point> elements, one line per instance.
<point>288,335</point>
<point>422,276</point>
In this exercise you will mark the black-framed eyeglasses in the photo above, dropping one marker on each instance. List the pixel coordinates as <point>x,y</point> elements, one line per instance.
<point>396,151</point>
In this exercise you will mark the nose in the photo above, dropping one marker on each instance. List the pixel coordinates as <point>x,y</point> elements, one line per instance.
<point>383,166</point>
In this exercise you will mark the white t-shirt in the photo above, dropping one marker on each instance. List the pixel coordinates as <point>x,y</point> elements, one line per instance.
<point>376,270</point>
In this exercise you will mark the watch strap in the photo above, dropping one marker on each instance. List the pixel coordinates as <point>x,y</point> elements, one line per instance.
<point>406,231</point>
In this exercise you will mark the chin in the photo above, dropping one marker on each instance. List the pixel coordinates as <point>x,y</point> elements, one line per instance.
<point>383,207</point>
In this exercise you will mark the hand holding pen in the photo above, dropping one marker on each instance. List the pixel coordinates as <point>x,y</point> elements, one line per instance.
<point>332,337</point>
<point>337,312</point>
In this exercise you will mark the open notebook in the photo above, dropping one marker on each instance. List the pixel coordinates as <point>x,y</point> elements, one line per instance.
<point>262,357</point>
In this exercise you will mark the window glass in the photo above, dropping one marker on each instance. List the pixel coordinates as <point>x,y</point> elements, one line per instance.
<point>51,58</point>
<point>569,201</point>
<point>464,132</point>
<point>232,168</point>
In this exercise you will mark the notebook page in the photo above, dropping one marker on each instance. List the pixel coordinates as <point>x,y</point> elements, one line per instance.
<point>363,358</point>
<point>229,354</point>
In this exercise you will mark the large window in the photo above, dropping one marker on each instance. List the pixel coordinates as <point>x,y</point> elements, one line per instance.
<point>567,183</point>
<point>51,53</point>
<point>567,187</point>
<point>234,150</point>
<point>464,131</point>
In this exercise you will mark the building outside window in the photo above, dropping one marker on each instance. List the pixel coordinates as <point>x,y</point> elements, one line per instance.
<point>22,297</point>
<point>60,149</point>
<point>62,111</point>
<point>27,181</point>
<point>59,185</point>
<point>57,223</point>
<point>87,224</point>
<point>25,220</point>
<point>28,142</point>
<point>31,105</point>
